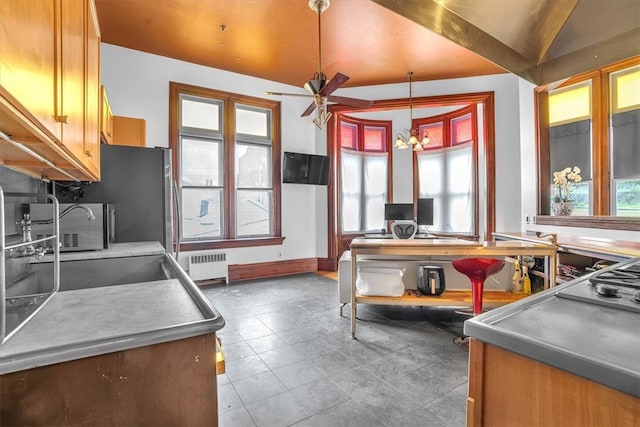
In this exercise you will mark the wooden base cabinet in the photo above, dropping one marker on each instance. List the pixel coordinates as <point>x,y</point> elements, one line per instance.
<point>167,384</point>
<point>506,389</point>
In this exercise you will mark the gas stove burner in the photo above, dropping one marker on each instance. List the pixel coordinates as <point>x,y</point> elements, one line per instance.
<point>607,291</point>
<point>616,288</point>
<point>628,277</point>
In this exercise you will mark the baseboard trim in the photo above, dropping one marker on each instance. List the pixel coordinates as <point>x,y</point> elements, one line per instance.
<point>264,270</point>
<point>327,264</point>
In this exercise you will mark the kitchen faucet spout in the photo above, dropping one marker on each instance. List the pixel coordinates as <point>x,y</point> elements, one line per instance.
<point>90,215</point>
<point>553,237</point>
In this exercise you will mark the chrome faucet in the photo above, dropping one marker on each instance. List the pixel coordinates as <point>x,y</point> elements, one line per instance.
<point>38,252</point>
<point>90,215</point>
<point>553,237</point>
<point>30,249</point>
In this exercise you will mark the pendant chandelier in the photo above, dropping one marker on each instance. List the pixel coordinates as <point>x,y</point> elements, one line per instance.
<point>409,137</point>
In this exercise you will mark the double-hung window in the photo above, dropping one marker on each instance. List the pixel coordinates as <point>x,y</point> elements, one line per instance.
<point>227,165</point>
<point>447,170</point>
<point>364,173</point>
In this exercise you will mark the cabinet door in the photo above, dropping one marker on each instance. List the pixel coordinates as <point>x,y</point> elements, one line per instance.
<point>28,57</point>
<point>72,76</point>
<point>106,118</point>
<point>92,117</point>
<point>129,131</point>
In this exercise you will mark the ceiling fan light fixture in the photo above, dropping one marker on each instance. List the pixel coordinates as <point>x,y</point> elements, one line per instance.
<point>318,87</point>
<point>322,116</point>
<point>316,84</point>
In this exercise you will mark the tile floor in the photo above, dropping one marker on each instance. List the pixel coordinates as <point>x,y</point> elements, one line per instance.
<point>290,359</point>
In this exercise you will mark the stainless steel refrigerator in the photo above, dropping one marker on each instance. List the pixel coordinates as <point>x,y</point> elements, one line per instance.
<point>138,182</point>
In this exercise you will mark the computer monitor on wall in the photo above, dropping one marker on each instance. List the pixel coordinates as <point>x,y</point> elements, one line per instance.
<point>425,211</point>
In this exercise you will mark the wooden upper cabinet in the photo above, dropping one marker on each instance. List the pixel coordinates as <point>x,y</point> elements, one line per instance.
<point>106,118</point>
<point>28,43</point>
<point>72,76</point>
<point>129,131</point>
<point>49,88</point>
<point>92,95</point>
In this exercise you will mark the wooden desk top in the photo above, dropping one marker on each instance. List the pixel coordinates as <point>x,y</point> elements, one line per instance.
<point>450,247</point>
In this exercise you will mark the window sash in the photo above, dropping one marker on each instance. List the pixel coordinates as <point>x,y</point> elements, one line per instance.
<point>196,123</point>
<point>253,123</point>
<point>254,190</point>
<point>446,175</point>
<point>254,212</point>
<point>364,179</point>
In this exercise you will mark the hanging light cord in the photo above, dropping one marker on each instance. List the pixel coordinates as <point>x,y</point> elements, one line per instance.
<point>318,8</point>
<point>410,74</point>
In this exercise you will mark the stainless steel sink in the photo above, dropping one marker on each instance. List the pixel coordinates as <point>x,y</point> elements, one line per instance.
<point>94,273</point>
<point>31,289</point>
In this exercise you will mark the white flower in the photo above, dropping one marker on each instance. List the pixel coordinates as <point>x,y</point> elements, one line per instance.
<point>563,179</point>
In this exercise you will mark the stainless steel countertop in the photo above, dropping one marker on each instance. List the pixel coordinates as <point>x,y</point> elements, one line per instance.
<point>595,342</point>
<point>87,322</point>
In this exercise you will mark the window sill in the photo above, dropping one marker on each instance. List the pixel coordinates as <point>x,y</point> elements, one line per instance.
<point>606,222</point>
<point>231,243</point>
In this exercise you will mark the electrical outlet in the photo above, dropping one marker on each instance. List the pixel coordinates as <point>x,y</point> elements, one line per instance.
<point>526,219</point>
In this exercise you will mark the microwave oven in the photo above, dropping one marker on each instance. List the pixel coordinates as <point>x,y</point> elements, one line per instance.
<point>78,231</point>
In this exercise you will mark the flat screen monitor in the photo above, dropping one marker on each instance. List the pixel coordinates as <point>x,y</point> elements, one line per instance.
<point>398,211</point>
<point>300,168</point>
<point>425,211</point>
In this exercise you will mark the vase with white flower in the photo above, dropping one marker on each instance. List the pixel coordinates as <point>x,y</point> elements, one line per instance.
<point>563,182</point>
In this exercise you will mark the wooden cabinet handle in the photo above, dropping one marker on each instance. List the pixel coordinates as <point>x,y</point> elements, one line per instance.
<point>89,153</point>
<point>62,119</point>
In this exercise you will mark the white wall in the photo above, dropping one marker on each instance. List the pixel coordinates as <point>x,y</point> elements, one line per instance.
<point>137,85</point>
<point>529,183</point>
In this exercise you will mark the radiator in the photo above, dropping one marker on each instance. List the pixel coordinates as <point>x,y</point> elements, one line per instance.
<point>209,266</point>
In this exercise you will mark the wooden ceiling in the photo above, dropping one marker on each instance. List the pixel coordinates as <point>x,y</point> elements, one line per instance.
<point>278,39</point>
<point>379,41</point>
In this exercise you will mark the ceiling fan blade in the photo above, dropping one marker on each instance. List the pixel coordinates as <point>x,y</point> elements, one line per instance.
<point>287,94</point>
<point>338,80</point>
<point>352,102</point>
<point>309,109</point>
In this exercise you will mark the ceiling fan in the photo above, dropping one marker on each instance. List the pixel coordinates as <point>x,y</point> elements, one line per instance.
<point>318,87</point>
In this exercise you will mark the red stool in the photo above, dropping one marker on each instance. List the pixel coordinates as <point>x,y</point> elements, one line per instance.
<point>477,270</point>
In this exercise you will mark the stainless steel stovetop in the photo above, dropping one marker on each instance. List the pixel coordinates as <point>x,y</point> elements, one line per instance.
<point>617,287</point>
